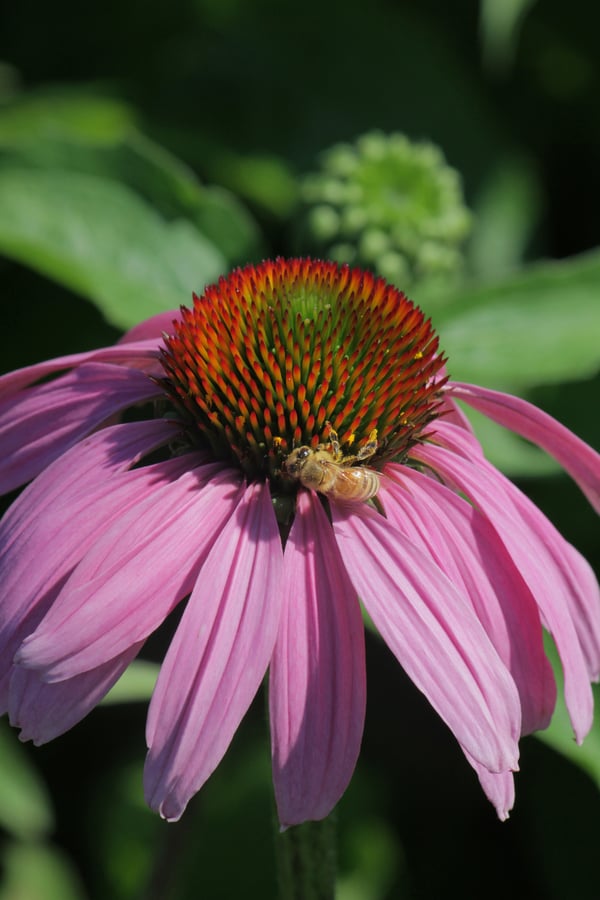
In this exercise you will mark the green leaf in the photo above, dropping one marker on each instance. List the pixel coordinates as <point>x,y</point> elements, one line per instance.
<point>128,837</point>
<point>264,180</point>
<point>172,185</point>
<point>69,114</point>
<point>507,209</point>
<point>539,326</point>
<point>373,851</point>
<point>34,872</point>
<point>25,809</point>
<point>96,237</point>
<point>135,684</point>
<point>77,131</point>
<point>499,25</point>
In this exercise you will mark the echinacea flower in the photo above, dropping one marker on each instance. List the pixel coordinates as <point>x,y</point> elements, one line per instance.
<point>157,470</point>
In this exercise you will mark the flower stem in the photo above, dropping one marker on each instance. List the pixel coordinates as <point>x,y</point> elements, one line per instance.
<point>306,859</point>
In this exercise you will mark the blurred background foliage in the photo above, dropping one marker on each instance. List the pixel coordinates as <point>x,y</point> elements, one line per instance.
<point>145,149</point>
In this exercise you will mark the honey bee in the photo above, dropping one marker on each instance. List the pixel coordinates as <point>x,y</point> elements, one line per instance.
<point>324,468</point>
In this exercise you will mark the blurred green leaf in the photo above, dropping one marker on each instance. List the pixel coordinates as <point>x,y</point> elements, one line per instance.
<point>96,237</point>
<point>500,23</point>
<point>74,115</point>
<point>507,209</point>
<point>128,836</point>
<point>559,734</point>
<point>77,131</point>
<point>539,326</point>
<point>25,809</point>
<point>374,859</point>
<point>135,684</point>
<point>263,180</point>
<point>33,872</point>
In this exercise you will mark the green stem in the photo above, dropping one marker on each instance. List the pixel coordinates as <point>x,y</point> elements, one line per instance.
<point>307,861</point>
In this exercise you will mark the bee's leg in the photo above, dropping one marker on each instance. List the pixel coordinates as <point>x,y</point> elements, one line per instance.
<point>378,505</point>
<point>369,449</point>
<point>335,445</point>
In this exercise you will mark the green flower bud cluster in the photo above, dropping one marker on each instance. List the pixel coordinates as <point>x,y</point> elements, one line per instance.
<point>388,204</point>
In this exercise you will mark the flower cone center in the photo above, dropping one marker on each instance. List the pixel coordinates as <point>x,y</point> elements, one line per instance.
<point>277,355</point>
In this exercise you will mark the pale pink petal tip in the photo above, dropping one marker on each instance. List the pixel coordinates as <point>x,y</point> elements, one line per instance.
<point>498,787</point>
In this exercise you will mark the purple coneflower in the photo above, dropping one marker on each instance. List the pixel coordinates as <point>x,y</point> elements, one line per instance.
<point>157,470</point>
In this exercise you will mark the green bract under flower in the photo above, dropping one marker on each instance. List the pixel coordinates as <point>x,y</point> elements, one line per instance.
<point>278,355</point>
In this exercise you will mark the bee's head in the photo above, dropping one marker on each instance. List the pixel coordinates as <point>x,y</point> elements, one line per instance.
<point>294,463</point>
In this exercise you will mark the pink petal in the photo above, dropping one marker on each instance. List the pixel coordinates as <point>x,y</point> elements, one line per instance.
<point>432,630</point>
<point>57,518</point>
<point>139,355</point>
<point>465,546</point>
<point>44,421</point>
<point>44,711</point>
<point>218,657</point>
<point>575,456</point>
<point>317,691</point>
<point>94,459</point>
<point>531,542</point>
<point>137,570</point>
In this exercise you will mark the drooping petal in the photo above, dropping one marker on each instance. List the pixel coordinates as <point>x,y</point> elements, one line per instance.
<point>42,422</point>
<point>499,788</point>
<point>59,516</point>
<point>584,599</point>
<point>135,573</point>
<point>435,635</point>
<point>218,657</point>
<point>317,689</point>
<point>465,546</point>
<point>579,459</point>
<point>573,572</point>
<point>532,543</point>
<point>141,355</point>
<point>44,711</point>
